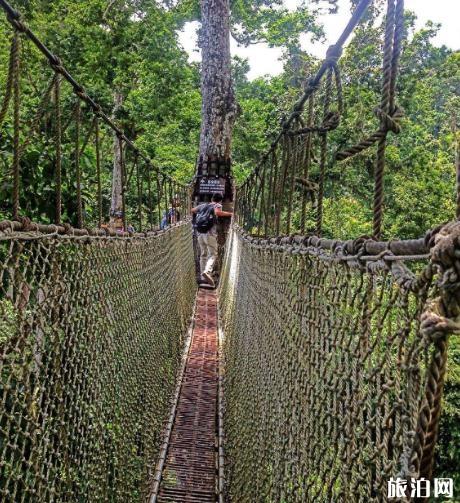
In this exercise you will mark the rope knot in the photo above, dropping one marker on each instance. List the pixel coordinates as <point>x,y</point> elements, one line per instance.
<point>6,227</point>
<point>26,223</point>
<point>446,246</point>
<point>333,54</point>
<point>435,327</point>
<point>56,64</point>
<point>80,92</point>
<point>16,20</point>
<point>358,245</point>
<point>444,255</point>
<point>68,229</point>
<point>331,122</point>
<point>431,235</point>
<point>390,122</point>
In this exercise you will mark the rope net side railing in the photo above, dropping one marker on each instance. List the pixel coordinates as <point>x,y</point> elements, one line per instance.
<point>92,317</point>
<point>91,339</point>
<point>334,359</point>
<point>335,352</point>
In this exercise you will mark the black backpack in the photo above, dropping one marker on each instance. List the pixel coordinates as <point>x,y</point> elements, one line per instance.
<point>205,218</point>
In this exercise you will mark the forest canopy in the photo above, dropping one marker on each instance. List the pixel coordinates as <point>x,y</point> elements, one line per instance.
<point>133,47</point>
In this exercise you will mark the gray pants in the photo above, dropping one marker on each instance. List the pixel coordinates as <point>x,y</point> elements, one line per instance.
<point>207,244</point>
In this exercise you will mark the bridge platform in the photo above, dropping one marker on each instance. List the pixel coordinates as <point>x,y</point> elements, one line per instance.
<point>189,471</point>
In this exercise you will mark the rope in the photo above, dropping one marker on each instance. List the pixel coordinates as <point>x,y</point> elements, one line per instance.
<point>77,166</point>
<point>139,193</point>
<point>58,138</point>
<point>306,166</point>
<point>457,171</point>
<point>323,150</point>
<point>14,48</point>
<point>16,125</point>
<point>123,180</point>
<point>98,171</point>
<point>387,99</point>
<point>149,190</point>
<point>44,102</point>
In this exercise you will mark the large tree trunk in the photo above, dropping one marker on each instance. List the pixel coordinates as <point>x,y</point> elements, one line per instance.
<point>218,111</point>
<point>218,108</point>
<point>116,207</point>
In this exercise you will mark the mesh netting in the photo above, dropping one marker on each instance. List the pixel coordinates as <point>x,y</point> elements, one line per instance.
<point>325,371</point>
<point>91,335</point>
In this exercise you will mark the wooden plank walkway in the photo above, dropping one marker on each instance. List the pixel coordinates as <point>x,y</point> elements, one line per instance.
<point>189,473</point>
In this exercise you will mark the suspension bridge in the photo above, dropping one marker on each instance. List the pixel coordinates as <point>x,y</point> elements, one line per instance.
<point>313,373</point>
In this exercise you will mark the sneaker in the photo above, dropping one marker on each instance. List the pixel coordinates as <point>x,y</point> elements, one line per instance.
<point>209,279</point>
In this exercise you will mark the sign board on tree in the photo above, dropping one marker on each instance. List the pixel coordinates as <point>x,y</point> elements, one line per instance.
<point>209,186</point>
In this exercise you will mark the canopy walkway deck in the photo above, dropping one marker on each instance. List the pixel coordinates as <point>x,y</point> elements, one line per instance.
<point>189,474</point>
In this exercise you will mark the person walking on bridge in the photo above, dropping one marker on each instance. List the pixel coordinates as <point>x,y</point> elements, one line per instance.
<point>206,215</point>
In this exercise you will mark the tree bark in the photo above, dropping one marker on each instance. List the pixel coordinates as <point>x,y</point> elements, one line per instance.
<point>218,109</point>
<point>116,207</point>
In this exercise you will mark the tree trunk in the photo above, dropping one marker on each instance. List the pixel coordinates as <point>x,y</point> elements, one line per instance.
<point>218,107</point>
<point>218,112</point>
<point>116,207</point>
